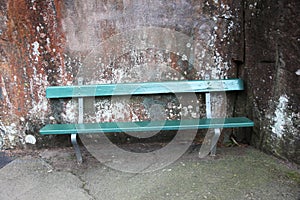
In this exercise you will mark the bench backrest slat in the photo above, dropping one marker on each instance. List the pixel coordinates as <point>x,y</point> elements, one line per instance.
<point>144,88</point>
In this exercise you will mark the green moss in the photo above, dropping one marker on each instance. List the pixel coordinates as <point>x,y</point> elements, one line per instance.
<point>294,175</point>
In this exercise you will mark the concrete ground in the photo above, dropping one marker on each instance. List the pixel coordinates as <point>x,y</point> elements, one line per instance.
<point>234,174</point>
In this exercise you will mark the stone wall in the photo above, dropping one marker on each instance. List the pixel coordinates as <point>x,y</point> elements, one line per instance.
<point>55,42</point>
<point>32,57</point>
<point>272,68</point>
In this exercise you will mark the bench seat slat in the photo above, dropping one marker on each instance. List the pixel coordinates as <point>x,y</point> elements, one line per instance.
<point>106,127</point>
<point>144,88</point>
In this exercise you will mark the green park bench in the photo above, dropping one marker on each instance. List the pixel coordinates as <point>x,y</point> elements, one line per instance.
<point>81,91</point>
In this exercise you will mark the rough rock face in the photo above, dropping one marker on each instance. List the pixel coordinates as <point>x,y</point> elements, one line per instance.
<point>55,42</point>
<point>272,51</point>
<point>31,57</point>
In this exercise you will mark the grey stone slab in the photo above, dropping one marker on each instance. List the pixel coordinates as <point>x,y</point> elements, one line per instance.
<point>28,179</point>
<point>234,174</point>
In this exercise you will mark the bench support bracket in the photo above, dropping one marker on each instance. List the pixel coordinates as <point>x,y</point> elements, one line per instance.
<point>80,120</point>
<point>76,148</point>
<point>215,141</point>
<point>217,131</point>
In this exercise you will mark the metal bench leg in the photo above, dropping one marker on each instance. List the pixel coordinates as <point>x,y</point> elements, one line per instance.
<point>215,142</point>
<point>80,121</point>
<point>76,148</point>
<point>217,134</point>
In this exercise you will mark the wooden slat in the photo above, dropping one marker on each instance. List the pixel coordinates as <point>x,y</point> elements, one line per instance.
<point>146,126</point>
<point>144,88</point>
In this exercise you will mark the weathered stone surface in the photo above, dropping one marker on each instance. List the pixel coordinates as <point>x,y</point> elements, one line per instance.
<point>32,58</point>
<point>272,60</point>
<point>55,42</point>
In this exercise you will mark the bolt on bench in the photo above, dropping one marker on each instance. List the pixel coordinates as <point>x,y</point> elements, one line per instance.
<point>146,88</point>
